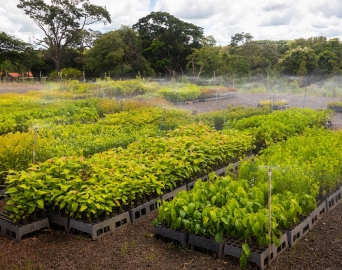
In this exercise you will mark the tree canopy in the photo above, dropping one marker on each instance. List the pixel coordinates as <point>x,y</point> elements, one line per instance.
<point>299,61</point>
<point>159,44</point>
<point>118,52</point>
<point>15,54</point>
<point>167,41</point>
<point>62,22</point>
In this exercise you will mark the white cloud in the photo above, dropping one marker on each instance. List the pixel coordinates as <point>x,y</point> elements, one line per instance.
<point>264,19</point>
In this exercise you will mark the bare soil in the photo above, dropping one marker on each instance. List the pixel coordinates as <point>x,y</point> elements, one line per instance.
<point>16,87</point>
<point>134,245</point>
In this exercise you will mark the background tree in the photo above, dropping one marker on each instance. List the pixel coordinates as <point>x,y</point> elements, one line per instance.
<point>16,55</point>
<point>297,60</point>
<point>119,52</point>
<point>62,22</point>
<point>167,41</point>
<point>328,63</point>
<point>207,60</point>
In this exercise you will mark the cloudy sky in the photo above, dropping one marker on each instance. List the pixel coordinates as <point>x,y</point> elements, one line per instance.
<point>264,19</point>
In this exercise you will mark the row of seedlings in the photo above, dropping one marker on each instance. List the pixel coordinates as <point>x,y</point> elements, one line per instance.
<point>301,213</point>
<point>97,195</point>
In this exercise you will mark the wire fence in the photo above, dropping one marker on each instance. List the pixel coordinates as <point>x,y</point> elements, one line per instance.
<point>313,85</point>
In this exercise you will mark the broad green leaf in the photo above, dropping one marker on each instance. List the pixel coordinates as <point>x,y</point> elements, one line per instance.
<point>246,249</point>
<point>213,215</point>
<point>74,206</point>
<point>205,221</point>
<point>219,236</point>
<point>83,207</point>
<point>243,261</point>
<point>182,213</point>
<point>32,209</point>
<point>11,190</point>
<point>23,186</point>
<point>40,204</point>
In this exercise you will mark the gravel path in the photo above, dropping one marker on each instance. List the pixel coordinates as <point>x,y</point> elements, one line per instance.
<point>252,100</point>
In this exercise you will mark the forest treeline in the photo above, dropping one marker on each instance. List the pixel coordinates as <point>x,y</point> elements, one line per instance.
<point>161,45</point>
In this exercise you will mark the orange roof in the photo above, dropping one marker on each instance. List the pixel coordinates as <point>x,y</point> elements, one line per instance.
<point>28,74</point>
<point>13,74</point>
<point>16,74</point>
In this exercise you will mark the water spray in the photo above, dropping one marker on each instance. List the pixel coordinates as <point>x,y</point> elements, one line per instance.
<point>306,88</point>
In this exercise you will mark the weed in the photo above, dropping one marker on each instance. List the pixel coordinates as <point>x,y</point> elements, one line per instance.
<point>132,244</point>
<point>124,249</point>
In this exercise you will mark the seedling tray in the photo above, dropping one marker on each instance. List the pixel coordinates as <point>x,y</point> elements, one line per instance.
<point>100,228</point>
<point>162,231</point>
<point>59,220</point>
<point>221,172</point>
<point>16,231</point>
<point>334,199</point>
<point>207,243</point>
<point>259,255</point>
<point>190,186</point>
<point>318,213</point>
<point>218,97</point>
<point>170,195</point>
<point>143,210</point>
<point>298,232</point>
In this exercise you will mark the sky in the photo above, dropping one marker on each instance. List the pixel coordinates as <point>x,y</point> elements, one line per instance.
<point>263,19</point>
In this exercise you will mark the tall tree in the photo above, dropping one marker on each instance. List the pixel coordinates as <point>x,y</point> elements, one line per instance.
<point>15,54</point>
<point>298,61</point>
<point>167,41</point>
<point>62,22</point>
<point>328,63</point>
<point>119,52</point>
<point>207,60</point>
<point>240,39</point>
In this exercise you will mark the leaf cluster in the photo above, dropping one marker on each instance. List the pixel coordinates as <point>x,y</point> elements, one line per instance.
<point>124,176</point>
<point>279,125</point>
